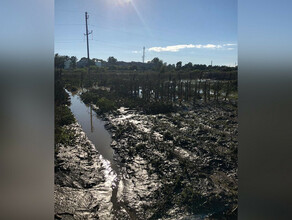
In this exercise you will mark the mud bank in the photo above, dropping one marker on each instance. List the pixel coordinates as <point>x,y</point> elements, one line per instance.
<point>83,179</point>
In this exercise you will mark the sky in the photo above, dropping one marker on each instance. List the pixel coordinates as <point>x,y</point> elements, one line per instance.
<point>197,31</point>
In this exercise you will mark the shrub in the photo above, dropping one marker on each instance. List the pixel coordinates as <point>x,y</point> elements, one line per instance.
<point>63,136</point>
<point>63,115</point>
<point>89,97</point>
<point>61,96</point>
<point>105,105</point>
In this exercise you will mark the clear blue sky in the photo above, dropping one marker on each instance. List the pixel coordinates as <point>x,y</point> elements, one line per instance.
<point>196,31</point>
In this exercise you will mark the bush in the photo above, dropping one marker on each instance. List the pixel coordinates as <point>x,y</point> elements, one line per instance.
<point>89,97</point>
<point>63,116</point>
<point>63,136</point>
<point>61,96</point>
<point>105,105</point>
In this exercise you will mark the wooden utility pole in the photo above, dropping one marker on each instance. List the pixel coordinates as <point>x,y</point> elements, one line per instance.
<point>86,18</point>
<point>143,57</point>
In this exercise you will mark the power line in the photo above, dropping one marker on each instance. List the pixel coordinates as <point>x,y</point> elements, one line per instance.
<point>142,36</point>
<point>65,42</point>
<point>94,41</point>
<point>113,45</point>
<point>68,24</point>
<point>93,13</point>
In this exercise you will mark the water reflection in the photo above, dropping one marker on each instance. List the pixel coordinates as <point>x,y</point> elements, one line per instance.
<point>94,129</point>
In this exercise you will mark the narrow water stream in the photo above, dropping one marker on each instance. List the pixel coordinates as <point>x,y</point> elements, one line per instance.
<point>99,136</point>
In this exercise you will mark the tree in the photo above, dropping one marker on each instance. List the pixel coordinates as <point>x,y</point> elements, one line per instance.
<point>188,66</point>
<point>199,67</point>
<point>178,65</point>
<point>162,68</point>
<point>83,62</point>
<point>59,61</point>
<point>73,62</point>
<point>170,67</point>
<point>155,60</point>
<point>112,60</point>
<point>157,63</point>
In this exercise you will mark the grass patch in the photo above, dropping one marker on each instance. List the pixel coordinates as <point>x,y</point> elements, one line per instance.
<point>63,116</point>
<point>63,136</point>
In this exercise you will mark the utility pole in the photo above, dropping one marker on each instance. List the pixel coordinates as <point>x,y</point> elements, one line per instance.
<point>143,57</point>
<point>86,17</point>
<point>211,62</point>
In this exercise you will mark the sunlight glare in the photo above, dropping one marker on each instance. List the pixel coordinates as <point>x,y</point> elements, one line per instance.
<point>122,2</point>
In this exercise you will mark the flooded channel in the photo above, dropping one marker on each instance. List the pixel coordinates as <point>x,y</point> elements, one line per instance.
<point>100,137</point>
<point>94,129</point>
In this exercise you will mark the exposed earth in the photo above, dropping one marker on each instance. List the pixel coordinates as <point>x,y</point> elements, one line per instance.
<point>179,165</point>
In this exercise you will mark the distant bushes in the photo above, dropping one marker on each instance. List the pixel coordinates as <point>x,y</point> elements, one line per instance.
<point>109,101</point>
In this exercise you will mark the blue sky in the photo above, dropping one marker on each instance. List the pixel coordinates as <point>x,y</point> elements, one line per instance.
<point>196,31</point>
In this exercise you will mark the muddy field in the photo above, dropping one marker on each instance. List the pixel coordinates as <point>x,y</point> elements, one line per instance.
<point>179,164</point>
<point>173,166</point>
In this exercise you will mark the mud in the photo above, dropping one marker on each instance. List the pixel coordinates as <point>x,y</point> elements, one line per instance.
<point>180,165</point>
<point>166,157</point>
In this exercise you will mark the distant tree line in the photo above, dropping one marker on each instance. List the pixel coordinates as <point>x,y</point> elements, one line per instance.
<point>154,65</point>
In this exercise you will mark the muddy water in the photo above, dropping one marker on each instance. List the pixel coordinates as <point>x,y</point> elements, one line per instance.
<point>99,136</point>
<point>94,129</point>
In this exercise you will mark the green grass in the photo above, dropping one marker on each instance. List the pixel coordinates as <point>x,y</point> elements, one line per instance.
<point>63,116</point>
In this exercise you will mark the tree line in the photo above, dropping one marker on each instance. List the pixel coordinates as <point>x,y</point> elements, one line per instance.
<point>155,64</point>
